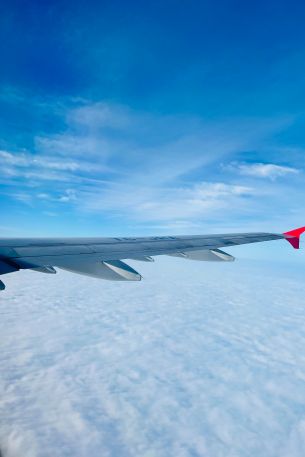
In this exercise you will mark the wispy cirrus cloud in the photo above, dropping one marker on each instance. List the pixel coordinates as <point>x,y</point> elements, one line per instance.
<point>171,203</point>
<point>20,161</point>
<point>113,161</point>
<point>263,170</point>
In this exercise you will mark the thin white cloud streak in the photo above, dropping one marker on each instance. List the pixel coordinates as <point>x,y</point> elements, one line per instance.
<point>20,160</point>
<point>163,204</point>
<point>264,170</point>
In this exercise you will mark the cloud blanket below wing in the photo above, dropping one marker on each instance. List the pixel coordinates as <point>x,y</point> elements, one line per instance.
<point>201,361</point>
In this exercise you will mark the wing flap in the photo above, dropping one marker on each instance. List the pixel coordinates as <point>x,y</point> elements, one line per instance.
<point>207,255</point>
<point>142,258</point>
<point>114,270</point>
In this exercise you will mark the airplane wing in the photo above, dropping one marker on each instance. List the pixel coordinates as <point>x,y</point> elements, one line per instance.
<point>103,257</point>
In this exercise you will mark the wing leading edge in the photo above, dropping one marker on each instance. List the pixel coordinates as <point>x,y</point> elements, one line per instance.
<point>102,257</point>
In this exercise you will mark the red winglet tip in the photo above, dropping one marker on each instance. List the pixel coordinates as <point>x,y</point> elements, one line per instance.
<point>295,242</point>
<point>293,237</point>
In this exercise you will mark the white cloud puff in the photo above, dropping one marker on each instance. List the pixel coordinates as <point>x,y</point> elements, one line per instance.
<point>264,170</point>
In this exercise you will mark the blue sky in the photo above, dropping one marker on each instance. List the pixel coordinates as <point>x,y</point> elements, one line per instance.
<point>144,118</point>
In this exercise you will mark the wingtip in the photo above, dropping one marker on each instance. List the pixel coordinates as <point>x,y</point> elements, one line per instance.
<point>293,237</point>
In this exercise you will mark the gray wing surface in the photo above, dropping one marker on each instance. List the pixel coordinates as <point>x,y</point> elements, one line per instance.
<point>102,257</point>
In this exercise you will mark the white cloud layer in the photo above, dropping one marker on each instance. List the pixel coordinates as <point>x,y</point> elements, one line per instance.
<point>195,361</point>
